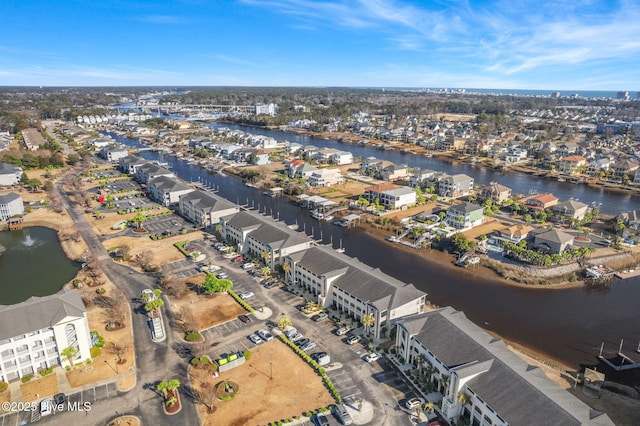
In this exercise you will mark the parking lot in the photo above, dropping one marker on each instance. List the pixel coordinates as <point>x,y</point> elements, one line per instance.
<point>181,268</point>
<point>166,223</point>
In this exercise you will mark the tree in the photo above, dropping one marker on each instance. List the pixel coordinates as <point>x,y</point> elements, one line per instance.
<point>286,267</point>
<point>368,320</point>
<point>265,271</point>
<point>69,353</point>
<point>266,257</point>
<point>153,305</point>
<point>463,398</point>
<point>118,349</point>
<point>184,320</point>
<point>213,285</point>
<point>283,323</point>
<point>168,389</point>
<point>34,184</point>
<point>138,220</point>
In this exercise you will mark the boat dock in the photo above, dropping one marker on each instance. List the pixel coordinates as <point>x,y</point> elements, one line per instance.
<point>623,275</point>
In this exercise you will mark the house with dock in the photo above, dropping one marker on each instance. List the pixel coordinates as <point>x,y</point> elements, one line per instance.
<point>391,196</point>
<point>464,216</point>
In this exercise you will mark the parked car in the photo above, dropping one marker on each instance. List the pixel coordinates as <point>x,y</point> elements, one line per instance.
<point>308,346</point>
<point>222,276</point>
<point>342,331</point>
<point>246,295</point>
<point>341,414</point>
<point>271,284</point>
<point>322,358</point>
<point>244,318</point>
<point>265,335</point>
<point>321,316</point>
<point>322,420</point>
<point>237,259</point>
<point>46,407</point>
<point>352,340</point>
<point>302,342</point>
<point>59,398</point>
<point>295,336</point>
<point>413,403</point>
<point>255,339</point>
<point>371,357</point>
<point>248,265</point>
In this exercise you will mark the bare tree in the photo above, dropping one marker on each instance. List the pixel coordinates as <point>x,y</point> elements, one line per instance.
<point>205,397</point>
<point>118,349</point>
<point>144,260</point>
<point>185,320</point>
<point>200,349</point>
<point>169,284</point>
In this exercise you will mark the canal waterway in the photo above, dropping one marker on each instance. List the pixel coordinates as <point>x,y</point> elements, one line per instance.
<point>566,324</point>
<point>33,264</point>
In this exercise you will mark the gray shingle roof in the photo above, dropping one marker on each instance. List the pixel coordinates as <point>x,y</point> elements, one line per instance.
<point>466,208</point>
<point>555,236</point>
<point>7,169</point>
<point>358,279</point>
<point>7,198</point>
<point>39,312</point>
<point>207,201</point>
<point>168,184</point>
<point>520,393</point>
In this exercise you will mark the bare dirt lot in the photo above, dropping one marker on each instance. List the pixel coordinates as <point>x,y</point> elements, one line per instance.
<point>162,251</point>
<point>207,311</point>
<point>261,399</point>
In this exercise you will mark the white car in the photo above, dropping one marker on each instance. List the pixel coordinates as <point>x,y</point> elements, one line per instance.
<point>246,295</point>
<point>265,335</point>
<point>248,265</point>
<point>413,403</point>
<point>352,340</point>
<point>46,407</point>
<point>371,357</point>
<point>255,339</point>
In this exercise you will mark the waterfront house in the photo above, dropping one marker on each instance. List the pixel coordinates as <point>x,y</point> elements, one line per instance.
<point>390,196</point>
<point>541,201</point>
<point>205,209</point>
<point>149,171</point>
<point>571,209</point>
<point>11,205</point>
<point>598,166</point>
<point>454,186</point>
<point>113,152</point>
<point>35,332</point>
<point>496,192</point>
<point>624,168</point>
<point>464,216</point>
<point>101,142</point>
<point>305,170</point>
<point>253,234</point>
<point>480,381</point>
<point>352,289</point>
<point>167,190</point>
<point>421,177</point>
<point>291,166</point>
<point>341,157</point>
<point>325,177</point>
<point>572,164</point>
<point>393,172</point>
<point>10,174</point>
<point>553,241</point>
<point>513,234</point>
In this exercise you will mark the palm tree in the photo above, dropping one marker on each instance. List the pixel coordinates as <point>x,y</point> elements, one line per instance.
<point>69,353</point>
<point>286,267</point>
<point>266,257</point>
<point>368,320</point>
<point>463,398</point>
<point>444,381</point>
<point>138,220</point>
<point>169,390</point>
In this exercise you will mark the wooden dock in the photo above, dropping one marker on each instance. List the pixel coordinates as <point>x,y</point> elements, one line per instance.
<point>623,275</point>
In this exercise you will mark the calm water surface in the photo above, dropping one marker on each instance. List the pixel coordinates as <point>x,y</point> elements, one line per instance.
<point>34,264</point>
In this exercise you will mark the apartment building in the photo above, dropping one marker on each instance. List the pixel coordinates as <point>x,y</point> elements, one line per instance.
<point>35,332</point>
<point>166,190</point>
<point>10,174</point>
<point>352,288</point>
<point>204,208</point>
<point>10,205</point>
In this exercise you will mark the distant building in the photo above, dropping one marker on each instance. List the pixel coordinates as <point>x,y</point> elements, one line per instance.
<point>113,153</point>
<point>268,109</point>
<point>571,209</point>
<point>11,205</point>
<point>149,171</point>
<point>553,241</point>
<point>455,186</point>
<point>390,196</point>
<point>325,177</point>
<point>542,201</point>
<point>35,332</point>
<point>130,164</point>
<point>166,190</point>
<point>10,174</point>
<point>496,192</point>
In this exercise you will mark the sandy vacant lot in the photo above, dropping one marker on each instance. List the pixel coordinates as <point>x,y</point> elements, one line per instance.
<point>207,311</point>
<point>162,251</point>
<point>295,388</point>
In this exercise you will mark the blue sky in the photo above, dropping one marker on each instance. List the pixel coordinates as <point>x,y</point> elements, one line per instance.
<point>563,44</point>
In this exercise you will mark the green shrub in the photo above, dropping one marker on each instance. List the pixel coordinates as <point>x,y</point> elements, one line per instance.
<point>95,352</point>
<point>247,354</point>
<point>27,378</point>
<point>99,338</point>
<point>195,362</point>
<point>4,386</point>
<point>101,290</point>
<point>193,336</point>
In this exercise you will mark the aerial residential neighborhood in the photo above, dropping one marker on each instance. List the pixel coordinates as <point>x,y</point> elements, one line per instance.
<point>218,269</point>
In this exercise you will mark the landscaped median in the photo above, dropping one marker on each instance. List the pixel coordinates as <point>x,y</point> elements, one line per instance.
<point>302,354</point>
<point>212,278</point>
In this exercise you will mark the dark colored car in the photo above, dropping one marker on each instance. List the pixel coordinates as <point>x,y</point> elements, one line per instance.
<point>59,398</point>
<point>244,318</point>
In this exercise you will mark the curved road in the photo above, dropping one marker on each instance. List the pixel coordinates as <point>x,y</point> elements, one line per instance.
<point>155,362</point>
